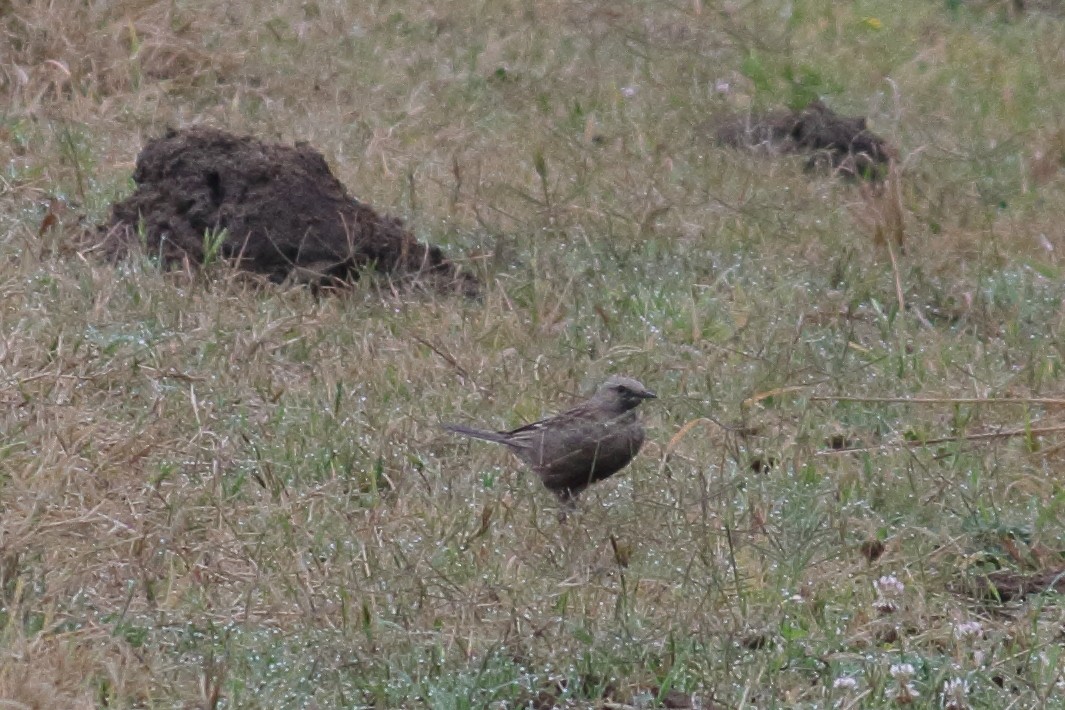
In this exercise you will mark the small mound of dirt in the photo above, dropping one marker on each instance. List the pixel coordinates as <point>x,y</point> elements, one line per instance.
<point>1005,585</point>
<point>842,143</point>
<point>204,194</point>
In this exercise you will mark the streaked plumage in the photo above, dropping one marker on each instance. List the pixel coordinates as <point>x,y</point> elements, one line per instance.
<point>580,446</point>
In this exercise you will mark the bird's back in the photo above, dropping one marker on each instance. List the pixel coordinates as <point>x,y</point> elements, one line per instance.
<point>569,452</point>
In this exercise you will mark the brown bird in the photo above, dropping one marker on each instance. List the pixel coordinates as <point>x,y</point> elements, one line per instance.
<point>588,443</point>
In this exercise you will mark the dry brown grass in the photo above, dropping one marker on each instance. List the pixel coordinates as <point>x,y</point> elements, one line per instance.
<point>215,493</point>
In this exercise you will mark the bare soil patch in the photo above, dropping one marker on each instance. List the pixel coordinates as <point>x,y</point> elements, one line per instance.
<point>204,194</point>
<point>841,143</point>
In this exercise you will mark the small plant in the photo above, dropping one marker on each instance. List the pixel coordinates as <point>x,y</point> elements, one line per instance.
<point>213,239</point>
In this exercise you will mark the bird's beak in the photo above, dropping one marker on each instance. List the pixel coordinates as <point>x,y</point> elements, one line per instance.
<point>648,394</point>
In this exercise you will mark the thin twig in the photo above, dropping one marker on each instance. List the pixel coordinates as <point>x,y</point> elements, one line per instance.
<point>447,358</point>
<point>941,400</point>
<point>676,439</point>
<point>1027,431</point>
<point>898,277</point>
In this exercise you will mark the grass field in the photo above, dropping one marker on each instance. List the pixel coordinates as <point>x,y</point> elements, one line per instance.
<point>220,495</point>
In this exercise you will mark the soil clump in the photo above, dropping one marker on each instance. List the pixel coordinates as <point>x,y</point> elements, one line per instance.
<point>205,195</point>
<point>843,144</point>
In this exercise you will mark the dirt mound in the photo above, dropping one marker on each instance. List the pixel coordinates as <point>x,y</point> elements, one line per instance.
<point>204,194</point>
<point>1006,585</point>
<point>841,143</point>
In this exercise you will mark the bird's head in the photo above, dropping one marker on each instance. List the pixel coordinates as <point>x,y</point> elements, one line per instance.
<point>622,393</point>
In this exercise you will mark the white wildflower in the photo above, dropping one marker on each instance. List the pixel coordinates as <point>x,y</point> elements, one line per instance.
<point>888,590</point>
<point>845,682</point>
<point>889,586</point>
<point>902,671</point>
<point>956,694</point>
<point>956,686</point>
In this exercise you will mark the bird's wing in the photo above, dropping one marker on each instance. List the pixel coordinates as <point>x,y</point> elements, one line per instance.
<point>575,418</point>
<point>529,428</point>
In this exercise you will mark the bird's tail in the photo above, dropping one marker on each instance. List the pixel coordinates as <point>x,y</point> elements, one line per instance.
<point>475,433</point>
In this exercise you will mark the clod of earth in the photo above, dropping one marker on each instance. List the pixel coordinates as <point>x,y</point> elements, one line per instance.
<point>842,143</point>
<point>204,194</point>
<point>1006,585</point>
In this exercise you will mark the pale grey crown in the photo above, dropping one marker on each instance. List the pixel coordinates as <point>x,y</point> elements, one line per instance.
<point>620,394</point>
